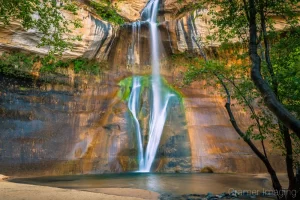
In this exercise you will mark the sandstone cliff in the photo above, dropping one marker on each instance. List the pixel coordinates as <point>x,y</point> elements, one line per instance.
<point>78,123</point>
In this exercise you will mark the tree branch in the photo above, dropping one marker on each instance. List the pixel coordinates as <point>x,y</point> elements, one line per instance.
<point>276,184</point>
<point>270,99</point>
<point>253,113</point>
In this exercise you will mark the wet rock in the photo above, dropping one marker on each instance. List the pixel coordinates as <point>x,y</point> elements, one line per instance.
<point>223,195</point>
<point>234,194</point>
<point>211,196</point>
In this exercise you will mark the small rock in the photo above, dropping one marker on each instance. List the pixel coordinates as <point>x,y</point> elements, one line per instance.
<point>234,193</point>
<point>209,194</point>
<point>223,195</point>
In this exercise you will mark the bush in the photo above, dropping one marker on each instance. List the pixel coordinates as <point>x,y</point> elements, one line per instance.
<point>87,66</point>
<point>20,64</point>
<point>16,64</point>
<point>107,12</point>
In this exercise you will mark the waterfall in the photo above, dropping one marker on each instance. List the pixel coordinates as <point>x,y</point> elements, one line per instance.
<point>133,105</point>
<point>159,97</point>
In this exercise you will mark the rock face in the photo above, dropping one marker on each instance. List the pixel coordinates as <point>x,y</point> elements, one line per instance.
<point>214,142</point>
<point>130,9</point>
<point>79,124</point>
<point>180,31</point>
<point>97,37</point>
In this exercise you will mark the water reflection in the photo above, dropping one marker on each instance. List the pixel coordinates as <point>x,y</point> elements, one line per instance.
<point>161,183</point>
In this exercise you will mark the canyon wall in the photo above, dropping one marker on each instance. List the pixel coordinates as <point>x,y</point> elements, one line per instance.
<point>66,123</point>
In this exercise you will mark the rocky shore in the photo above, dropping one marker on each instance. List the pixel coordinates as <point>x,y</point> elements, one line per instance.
<point>211,196</point>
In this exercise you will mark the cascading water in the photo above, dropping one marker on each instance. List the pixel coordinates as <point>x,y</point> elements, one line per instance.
<point>159,97</point>
<point>133,105</point>
<point>131,58</point>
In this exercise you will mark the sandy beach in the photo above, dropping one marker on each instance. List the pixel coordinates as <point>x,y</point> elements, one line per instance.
<point>16,191</point>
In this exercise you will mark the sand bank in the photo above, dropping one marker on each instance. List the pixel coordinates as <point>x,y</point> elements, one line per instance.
<point>16,191</point>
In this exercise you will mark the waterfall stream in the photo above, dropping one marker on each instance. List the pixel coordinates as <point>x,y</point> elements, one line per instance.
<point>133,105</point>
<point>159,98</point>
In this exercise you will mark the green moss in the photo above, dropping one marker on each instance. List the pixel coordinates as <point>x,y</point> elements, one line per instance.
<point>125,90</point>
<point>171,88</point>
<point>126,84</point>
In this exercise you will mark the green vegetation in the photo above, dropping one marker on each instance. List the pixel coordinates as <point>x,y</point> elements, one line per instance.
<point>20,64</point>
<point>285,55</point>
<point>107,11</point>
<point>44,16</point>
<point>189,7</point>
<point>125,90</point>
<point>80,65</point>
<point>15,64</point>
<point>47,18</point>
<point>264,81</point>
<point>126,85</point>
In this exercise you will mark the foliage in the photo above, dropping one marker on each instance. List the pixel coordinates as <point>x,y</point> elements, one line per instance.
<point>243,91</point>
<point>20,62</point>
<point>107,11</point>
<point>44,17</point>
<point>275,74</point>
<point>189,7</point>
<point>87,66</point>
<point>16,63</point>
<point>285,55</point>
<point>281,69</point>
<point>231,18</point>
<point>80,65</point>
<point>49,64</point>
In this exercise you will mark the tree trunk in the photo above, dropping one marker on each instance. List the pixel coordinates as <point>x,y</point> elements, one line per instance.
<point>267,48</point>
<point>283,129</point>
<point>289,160</point>
<point>275,181</point>
<point>269,97</point>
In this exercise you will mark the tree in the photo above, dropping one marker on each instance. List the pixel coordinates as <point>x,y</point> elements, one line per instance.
<point>235,82</point>
<point>269,95</point>
<point>44,16</point>
<point>250,21</point>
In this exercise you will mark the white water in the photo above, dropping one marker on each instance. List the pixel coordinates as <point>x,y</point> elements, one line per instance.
<point>133,105</point>
<point>160,98</point>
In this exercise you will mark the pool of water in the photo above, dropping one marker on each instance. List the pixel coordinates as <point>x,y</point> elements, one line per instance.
<point>162,183</point>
